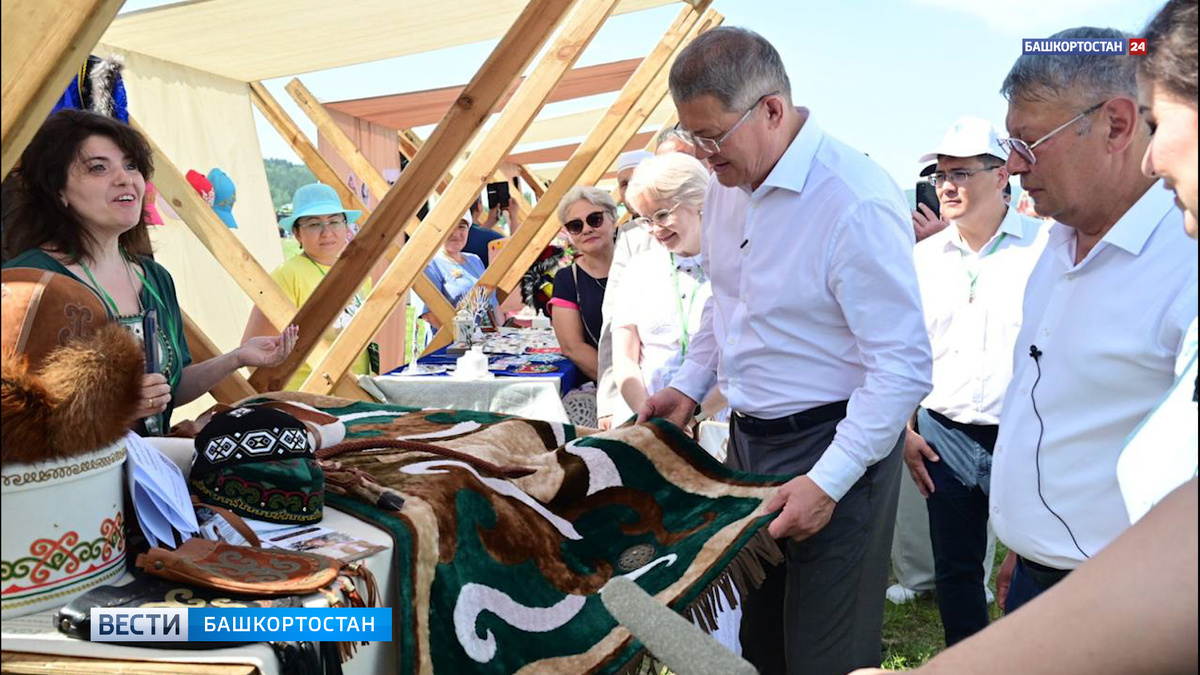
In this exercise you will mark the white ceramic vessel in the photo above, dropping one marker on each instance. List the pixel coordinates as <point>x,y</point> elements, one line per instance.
<point>62,529</point>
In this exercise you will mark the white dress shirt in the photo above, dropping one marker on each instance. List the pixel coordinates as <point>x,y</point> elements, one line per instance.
<point>1109,330</point>
<point>1162,452</point>
<point>815,300</point>
<point>648,302</point>
<point>973,340</point>
<point>632,238</point>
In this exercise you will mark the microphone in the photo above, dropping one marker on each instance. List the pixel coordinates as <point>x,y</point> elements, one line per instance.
<point>672,639</point>
<point>1035,352</point>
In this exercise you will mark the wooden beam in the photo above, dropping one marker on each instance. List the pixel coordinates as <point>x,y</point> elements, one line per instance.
<point>357,161</point>
<point>598,163</point>
<point>510,58</point>
<point>42,45</point>
<point>671,121</point>
<point>535,182</point>
<point>308,153</point>
<point>325,173</point>
<point>513,257</point>
<point>229,251</point>
<point>585,21</point>
<point>410,142</point>
<point>229,390</point>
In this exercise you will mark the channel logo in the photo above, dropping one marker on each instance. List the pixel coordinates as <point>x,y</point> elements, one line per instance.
<point>237,624</point>
<point>126,624</point>
<point>1113,47</point>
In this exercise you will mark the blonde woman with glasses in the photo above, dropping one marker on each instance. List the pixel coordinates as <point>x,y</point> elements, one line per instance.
<point>660,308</point>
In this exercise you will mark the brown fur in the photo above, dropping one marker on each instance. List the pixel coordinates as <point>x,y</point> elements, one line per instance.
<point>83,398</point>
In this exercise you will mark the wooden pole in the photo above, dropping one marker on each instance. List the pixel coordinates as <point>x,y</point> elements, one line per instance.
<point>523,249</point>
<point>599,162</point>
<point>42,45</point>
<point>510,58</point>
<point>518,114</point>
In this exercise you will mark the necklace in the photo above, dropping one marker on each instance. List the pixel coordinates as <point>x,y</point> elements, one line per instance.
<point>112,305</point>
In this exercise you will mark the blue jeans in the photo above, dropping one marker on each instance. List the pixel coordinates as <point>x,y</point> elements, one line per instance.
<point>958,520</point>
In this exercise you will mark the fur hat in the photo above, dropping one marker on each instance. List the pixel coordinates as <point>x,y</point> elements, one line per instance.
<point>71,380</point>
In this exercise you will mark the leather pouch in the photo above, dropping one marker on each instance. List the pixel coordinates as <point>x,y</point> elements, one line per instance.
<point>241,569</point>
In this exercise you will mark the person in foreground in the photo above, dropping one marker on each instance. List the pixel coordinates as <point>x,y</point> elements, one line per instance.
<point>75,207</point>
<point>822,377</point>
<point>321,225</point>
<point>1132,608</point>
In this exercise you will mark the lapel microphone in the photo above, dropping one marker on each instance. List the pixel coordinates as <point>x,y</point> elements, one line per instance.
<point>1035,352</point>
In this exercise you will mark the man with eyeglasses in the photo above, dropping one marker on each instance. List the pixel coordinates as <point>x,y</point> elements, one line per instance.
<point>1106,310</point>
<point>815,336</point>
<point>972,277</point>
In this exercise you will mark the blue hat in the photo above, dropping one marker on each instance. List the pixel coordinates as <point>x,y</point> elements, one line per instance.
<point>224,195</point>
<point>316,199</point>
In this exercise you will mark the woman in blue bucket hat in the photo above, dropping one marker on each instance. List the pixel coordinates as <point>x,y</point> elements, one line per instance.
<point>321,225</point>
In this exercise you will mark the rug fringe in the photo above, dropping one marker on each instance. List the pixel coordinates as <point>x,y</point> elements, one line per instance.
<point>744,573</point>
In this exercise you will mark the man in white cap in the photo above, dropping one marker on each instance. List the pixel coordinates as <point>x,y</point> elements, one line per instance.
<point>972,277</point>
<point>632,238</point>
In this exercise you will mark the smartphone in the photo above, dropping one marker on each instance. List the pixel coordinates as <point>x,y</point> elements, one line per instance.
<point>927,195</point>
<point>498,195</point>
<point>150,340</point>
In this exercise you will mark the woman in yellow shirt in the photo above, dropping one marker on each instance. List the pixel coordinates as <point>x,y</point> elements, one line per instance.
<point>321,225</point>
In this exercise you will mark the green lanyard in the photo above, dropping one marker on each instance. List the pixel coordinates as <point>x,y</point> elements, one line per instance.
<point>116,313</point>
<point>683,318</point>
<point>975,277</point>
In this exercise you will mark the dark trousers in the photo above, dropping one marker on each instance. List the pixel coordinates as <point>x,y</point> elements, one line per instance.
<point>958,518</point>
<point>821,611</point>
<point>1026,586</point>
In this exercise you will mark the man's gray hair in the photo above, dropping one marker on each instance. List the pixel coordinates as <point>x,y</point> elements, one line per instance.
<point>1093,76</point>
<point>733,65</point>
<point>594,195</point>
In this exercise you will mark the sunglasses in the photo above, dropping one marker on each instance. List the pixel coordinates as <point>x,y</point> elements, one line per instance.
<point>594,220</point>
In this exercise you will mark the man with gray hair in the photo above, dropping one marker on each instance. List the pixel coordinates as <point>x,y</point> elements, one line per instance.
<point>1106,310</point>
<point>816,338</point>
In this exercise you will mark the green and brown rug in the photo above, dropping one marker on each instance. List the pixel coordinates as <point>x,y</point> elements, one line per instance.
<point>510,527</point>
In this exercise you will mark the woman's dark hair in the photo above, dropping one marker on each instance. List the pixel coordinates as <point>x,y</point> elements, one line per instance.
<point>33,213</point>
<point>1170,60</point>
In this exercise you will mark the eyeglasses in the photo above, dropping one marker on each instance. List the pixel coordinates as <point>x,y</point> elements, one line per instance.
<point>660,217</point>
<point>956,176</point>
<point>594,220</point>
<point>708,147</point>
<point>1025,150</point>
<point>314,227</point>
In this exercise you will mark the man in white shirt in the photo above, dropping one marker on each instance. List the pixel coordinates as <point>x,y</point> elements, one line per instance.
<point>1105,312</point>
<point>972,277</point>
<point>815,335</point>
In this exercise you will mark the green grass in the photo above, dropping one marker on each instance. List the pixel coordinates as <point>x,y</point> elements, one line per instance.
<point>912,633</point>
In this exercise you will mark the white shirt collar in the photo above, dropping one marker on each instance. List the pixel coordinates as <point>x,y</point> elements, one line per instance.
<point>1013,225</point>
<point>792,169</point>
<point>1133,229</point>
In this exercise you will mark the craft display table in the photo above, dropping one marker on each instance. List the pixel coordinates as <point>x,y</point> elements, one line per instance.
<point>529,395</point>
<point>32,644</point>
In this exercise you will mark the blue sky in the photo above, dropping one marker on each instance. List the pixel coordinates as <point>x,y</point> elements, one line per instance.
<point>886,76</point>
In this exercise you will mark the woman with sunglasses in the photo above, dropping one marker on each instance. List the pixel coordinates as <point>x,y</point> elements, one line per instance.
<point>656,314</point>
<point>589,216</point>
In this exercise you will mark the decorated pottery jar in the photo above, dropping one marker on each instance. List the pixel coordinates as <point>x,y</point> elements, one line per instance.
<point>62,529</point>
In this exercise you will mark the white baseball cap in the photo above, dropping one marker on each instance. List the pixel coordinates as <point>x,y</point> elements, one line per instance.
<point>968,137</point>
<point>629,160</point>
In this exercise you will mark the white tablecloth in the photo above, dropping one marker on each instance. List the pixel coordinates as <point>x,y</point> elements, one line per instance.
<point>37,634</point>
<point>535,398</point>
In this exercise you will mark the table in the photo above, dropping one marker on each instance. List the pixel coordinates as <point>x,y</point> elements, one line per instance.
<point>532,396</point>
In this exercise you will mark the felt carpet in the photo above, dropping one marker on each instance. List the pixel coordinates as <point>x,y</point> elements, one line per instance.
<point>509,528</point>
